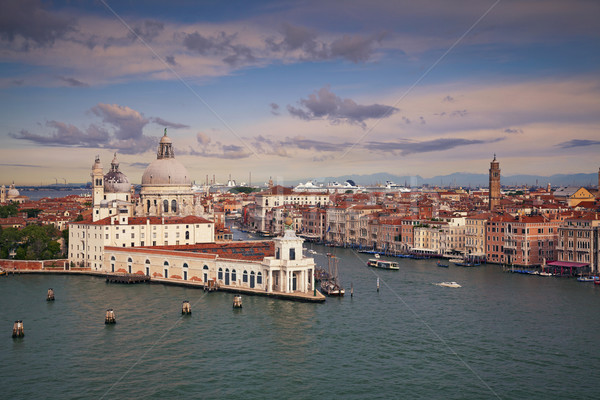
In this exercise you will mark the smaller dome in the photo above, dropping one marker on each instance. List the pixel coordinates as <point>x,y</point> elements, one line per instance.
<point>13,192</point>
<point>97,164</point>
<point>165,140</point>
<point>115,181</point>
<point>289,221</point>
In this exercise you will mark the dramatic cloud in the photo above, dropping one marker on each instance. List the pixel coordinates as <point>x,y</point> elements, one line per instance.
<point>355,48</point>
<point>168,124</point>
<point>578,143</point>
<point>73,82</point>
<point>126,134</point>
<point>29,20</point>
<point>324,104</point>
<point>67,135</point>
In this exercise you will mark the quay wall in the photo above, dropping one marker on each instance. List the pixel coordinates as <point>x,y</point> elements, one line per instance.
<point>33,265</point>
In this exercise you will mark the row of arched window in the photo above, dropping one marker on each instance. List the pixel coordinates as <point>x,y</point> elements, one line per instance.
<point>232,273</point>
<point>165,206</point>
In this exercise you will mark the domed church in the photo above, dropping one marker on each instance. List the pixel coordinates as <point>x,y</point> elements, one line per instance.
<point>111,193</point>
<point>166,185</point>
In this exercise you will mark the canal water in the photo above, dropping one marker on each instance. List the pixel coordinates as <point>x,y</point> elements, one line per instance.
<point>500,335</point>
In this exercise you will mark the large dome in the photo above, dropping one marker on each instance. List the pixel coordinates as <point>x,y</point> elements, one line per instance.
<point>166,171</point>
<point>13,192</point>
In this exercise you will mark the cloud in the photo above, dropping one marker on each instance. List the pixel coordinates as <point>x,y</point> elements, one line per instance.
<point>410,147</point>
<point>73,82</point>
<point>219,150</point>
<point>220,44</point>
<point>29,20</point>
<point>324,104</point>
<point>513,130</point>
<point>305,41</point>
<point>22,165</point>
<point>174,125</point>
<point>67,135</point>
<point>203,138</point>
<point>121,129</point>
<point>448,99</point>
<point>147,30</point>
<point>458,113</point>
<point>170,60</point>
<point>355,48</point>
<point>274,109</point>
<point>578,143</point>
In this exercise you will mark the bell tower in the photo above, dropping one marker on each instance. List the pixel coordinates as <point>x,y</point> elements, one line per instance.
<point>494,195</point>
<point>97,183</point>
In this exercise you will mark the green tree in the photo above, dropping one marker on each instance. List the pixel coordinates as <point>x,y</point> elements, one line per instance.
<point>9,210</point>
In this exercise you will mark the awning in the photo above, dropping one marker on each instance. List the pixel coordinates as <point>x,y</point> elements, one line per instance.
<point>568,264</point>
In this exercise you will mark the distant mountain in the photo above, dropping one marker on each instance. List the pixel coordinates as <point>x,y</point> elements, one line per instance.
<point>461,179</point>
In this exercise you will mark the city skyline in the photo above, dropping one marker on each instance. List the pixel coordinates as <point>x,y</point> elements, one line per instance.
<point>294,90</point>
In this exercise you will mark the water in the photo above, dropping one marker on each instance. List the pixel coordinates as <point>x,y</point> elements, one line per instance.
<point>39,194</point>
<point>499,336</point>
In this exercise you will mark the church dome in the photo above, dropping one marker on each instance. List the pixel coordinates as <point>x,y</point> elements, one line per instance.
<point>13,192</point>
<point>115,181</point>
<point>165,170</point>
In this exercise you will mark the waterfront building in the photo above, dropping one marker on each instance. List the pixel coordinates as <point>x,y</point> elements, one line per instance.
<point>494,240</point>
<point>314,223</point>
<point>531,240</point>
<point>390,237</point>
<point>336,224</point>
<point>273,267</point>
<point>475,233</point>
<point>88,239</point>
<point>279,196</point>
<point>428,238</point>
<point>494,194</point>
<point>12,195</point>
<point>579,240</point>
<point>452,237</point>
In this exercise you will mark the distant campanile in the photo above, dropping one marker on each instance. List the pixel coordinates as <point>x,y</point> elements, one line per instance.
<point>494,184</point>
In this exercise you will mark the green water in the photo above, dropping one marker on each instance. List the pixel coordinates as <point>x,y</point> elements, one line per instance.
<point>500,335</point>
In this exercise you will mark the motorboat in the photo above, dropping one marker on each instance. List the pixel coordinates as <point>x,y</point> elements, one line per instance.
<point>439,264</point>
<point>588,279</point>
<point>449,284</point>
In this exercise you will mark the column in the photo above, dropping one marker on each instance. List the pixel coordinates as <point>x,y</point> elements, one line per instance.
<point>312,278</point>
<point>270,281</point>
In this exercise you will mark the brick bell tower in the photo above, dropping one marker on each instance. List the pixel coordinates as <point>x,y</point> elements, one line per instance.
<point>494,199</point>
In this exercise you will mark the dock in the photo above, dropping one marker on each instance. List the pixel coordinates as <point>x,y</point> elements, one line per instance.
<point>127,278</point>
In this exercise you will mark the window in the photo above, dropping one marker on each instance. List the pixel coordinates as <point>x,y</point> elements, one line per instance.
<point>233,275</point>
<point>166,206</point>
<point>220,273</point>
<point>173,206</point>
<point>292,253</point>
<point>259,278</point>
<point>245,277</point>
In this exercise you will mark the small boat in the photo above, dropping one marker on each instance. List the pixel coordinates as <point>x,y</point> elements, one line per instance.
<point>449,284</point>
<point>546,273</point>
<point>588,279</point>
<point>2,271</point>
<point>383,264</point>
<point>439,264</point>
<point>463,262</point>
<point>597,282</point>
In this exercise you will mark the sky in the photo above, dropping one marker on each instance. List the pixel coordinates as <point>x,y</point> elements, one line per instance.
<point>299,89</point>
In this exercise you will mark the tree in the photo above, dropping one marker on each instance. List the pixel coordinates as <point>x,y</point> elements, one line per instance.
<point>9,210</point>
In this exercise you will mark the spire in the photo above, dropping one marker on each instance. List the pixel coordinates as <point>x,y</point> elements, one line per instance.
<point>165,132</point>
<point>165,147</point>
<point>494,153</point>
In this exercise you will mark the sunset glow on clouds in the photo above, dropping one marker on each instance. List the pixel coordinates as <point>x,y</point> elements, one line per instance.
<point>300,90</point>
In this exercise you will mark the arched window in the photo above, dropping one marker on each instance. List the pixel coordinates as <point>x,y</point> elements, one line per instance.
<point>166,264</point>
<point>220,273</point>
<point>259,278</point>
<point>147,261</point>
<point>187,234</point>
<point>185,265</point>
<point>112,258</point>
<point>173,206</point>
<point>129,260</point>
<point>148,205</point>
<point>205,267</point>
<point>166,206</point>
<point>233,275</point>
<point>245,277</point>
